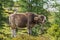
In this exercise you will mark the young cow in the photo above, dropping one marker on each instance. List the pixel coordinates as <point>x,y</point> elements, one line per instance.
<point>22,20</point>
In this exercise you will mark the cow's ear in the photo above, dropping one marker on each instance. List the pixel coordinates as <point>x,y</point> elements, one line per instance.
<point>35,18</point>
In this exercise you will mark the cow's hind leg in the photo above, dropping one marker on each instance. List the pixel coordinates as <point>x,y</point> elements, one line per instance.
<point>13,32</point>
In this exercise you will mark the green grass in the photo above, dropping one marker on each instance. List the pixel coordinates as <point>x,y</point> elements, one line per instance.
<point>21,35</point>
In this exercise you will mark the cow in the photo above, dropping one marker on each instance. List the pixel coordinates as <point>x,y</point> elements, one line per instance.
<point>27,19</point>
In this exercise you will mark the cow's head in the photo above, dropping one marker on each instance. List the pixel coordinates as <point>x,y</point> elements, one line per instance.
<point>40,19</point>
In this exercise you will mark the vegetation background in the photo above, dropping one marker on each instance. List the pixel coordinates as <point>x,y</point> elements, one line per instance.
<point>49,8</point>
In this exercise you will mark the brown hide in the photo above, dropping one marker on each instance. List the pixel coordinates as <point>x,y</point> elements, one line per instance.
<point>21,20</point>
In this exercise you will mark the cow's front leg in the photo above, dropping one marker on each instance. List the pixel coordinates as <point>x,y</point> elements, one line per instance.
<point>29,30</point>
<point>13,32</point>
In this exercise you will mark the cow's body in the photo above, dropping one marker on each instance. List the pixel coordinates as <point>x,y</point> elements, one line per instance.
<point>22,20</point>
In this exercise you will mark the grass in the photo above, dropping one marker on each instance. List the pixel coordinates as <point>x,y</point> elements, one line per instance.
<point>21,35</point>
<point>24,37</point>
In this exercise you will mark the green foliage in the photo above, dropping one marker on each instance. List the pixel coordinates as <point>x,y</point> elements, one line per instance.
<point>7,3</point>
<point>36,30</point>
<point>32,6</point>
<point>28,37</point>
<point>52,24</point>
<point>54,31</point>
<point>57,18</point>
<point>25,37</point>
<point>50,37</point>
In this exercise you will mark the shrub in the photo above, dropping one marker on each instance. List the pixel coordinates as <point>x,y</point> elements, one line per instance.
<point>36,30</point>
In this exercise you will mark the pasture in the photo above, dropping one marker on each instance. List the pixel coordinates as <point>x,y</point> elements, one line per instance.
<point>50,30</point>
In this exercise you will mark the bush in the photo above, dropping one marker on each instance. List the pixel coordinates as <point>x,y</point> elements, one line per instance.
<point>54,30</point>
<point>36,30</point>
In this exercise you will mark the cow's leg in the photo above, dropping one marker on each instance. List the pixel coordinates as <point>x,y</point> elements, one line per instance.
<point>29,24</point>
<point>29,27</point>
<point>29,30</point>
<point>13,32</point>
<point>42,29</point>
